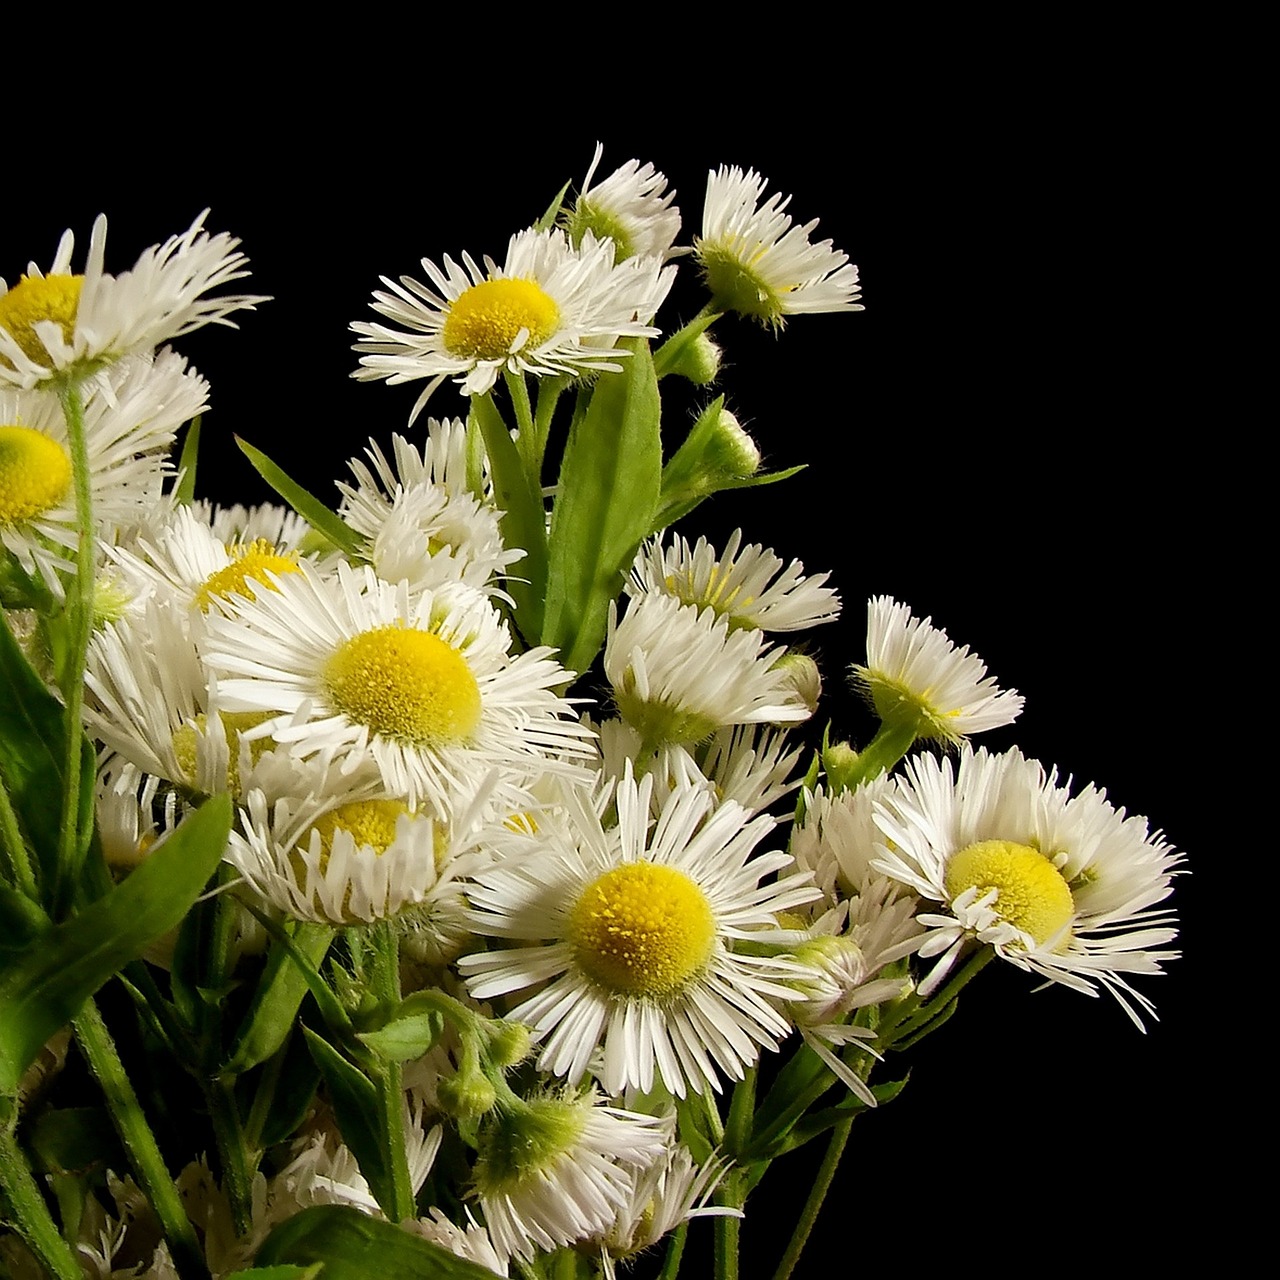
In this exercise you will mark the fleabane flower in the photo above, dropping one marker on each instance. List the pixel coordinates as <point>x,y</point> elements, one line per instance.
<point>424,685</point>
<point>550,309</point>
<point>758,264</point>
<point>553,1170</point>
<point>1063,886</point>
<point>628,936</point>
<point>422,521</point>
<point>131,416</point>
<point>748,585</point>
<point>632,207</point>
<point>679,673</point>
<point>56,324</point>
<point>913,670</point>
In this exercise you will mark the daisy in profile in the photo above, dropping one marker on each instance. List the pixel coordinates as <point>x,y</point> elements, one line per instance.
<point>627,936</point>
<point>423,685</point>
<point>550,309</point>
<point>748,585</point>
<point>914,671</point>
<point>679,673</point>
<point>555,1169</point>
<point>130,421</point>
<point>1063,886</point>
<point>632,207</point>
<point>757,264</point>
<point>56,324</point>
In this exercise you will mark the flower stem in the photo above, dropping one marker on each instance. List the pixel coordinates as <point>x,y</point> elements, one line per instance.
<point>730,1195</point>
<point>812,1206</point>
<point>675,1251</point>
<point>131,1124</point>
<point>385,977</point>
<point>29,1212</point>
<point>15,847</point>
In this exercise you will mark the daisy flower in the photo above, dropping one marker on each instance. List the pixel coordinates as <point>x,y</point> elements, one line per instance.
<point>748,585</point>
<point>131,417</point>
<point>913,669</point>
<point>680,673</point>
<point>425,686</point>
<point>756,263</point>
<point>551,309</point>
<point>632,207</point>
<point>1063,886</point>
<point>421,519</point>
<point>55,324</point>
<point>553,1170</point>
<point>626,936</point>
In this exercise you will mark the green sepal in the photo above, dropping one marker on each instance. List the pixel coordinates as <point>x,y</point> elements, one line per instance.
<point>605,502</point>
<point>44,986</point>
<point>185,490</point>
<point>669,355</point>
<point>280,991</point>
<point>354,1246</point>
<point>411,1028</point>
<point>524,518</point>
<point>32,755</point>
<point>357,1105</point>
<point>548,219</point>
<point>307,505</point>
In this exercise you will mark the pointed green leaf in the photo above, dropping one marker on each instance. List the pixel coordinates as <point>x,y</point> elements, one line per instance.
<point>43,986</point>
<point>354,1246</point>
<point>185,490</point>
<point>548,219</point>
<point>307,505</point>
<point>413,1027</point>
<point>605,502</point>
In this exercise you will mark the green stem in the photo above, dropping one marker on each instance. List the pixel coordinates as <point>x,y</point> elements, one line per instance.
<point>675,1251</point>
<point>385,976</point>
<point>742,1106</point>
<point>15,847</point>
<point>892,741</point>
<point>238,1163</point>
<point>812,1206</point>
<point>527,441</point>
<point>28,1212</point>
<point>80,608</point>
<point>728,1226</point>
<point>892,1030</point>
<point>131,1124</point>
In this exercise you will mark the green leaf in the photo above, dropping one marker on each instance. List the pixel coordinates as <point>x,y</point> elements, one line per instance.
<point>669,354</point>
<point>413,1027</point>
<point>185,490</point>
<point>548,219</point>
<point>307,505</point>
<point>32,734</point>
<point>43,986</point>
<point>605,503</point>
<point>524,518</point>
<point>354,1246</point>
<point>286,1271</point>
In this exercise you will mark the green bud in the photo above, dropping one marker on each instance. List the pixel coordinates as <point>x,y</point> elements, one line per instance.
<point>839,763</point>
<point>466,1096</point>
<point>803,678</point>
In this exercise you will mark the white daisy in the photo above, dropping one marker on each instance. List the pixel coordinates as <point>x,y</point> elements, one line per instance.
<point>132,413</point>
<point>758,264</point>
<point>743,583</point>
<point>628,939</point>
<point>422,521</point>
<point>425,686</point>
<point>555,1170</point>
<point>632,207</point>
<point>471,1242</point>
<point>679,673</point>
<point>57,324</point>
<point>1063,886</point>
<point>914,671</point>
<point>281,526</point>
<point>550,309</point>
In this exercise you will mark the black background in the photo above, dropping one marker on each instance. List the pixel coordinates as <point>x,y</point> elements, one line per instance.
<point>999,439</point>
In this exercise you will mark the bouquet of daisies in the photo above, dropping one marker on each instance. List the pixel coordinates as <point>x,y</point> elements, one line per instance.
<point>441,883</point>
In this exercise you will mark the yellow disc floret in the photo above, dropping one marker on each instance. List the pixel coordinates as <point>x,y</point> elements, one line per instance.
<point>1032,897</point>
<point>642,930</point>
<point>485,322</point>
<point>37,298</point>
<point>250,562</point>
<point>371,824</point>
<point>35,474</point>
<point>405,684</point>
<point>234,723</point>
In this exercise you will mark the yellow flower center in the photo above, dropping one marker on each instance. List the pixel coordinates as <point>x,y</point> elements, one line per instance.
<point>250,562</point>
<point>485,322</point>
<point>714,594</point>
<point>37,298</point>
<point>234,723</point>
<point>1033,895</point>
<point>35,473</point>
<point>405,684</point>
<point>642,930</point>
<point>371,823</point>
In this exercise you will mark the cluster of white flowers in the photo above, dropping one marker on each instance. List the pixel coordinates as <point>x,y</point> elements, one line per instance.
<point>401,758</point>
